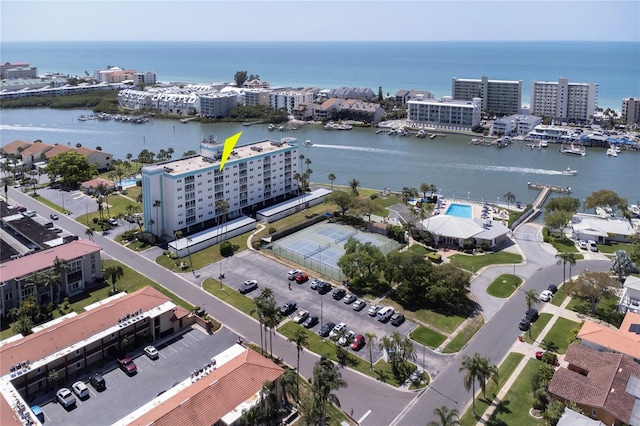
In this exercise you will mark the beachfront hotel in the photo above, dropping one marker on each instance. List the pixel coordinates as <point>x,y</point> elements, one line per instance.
<point>502,97</point>
<point>445,113</point>
<point>564,100</point>
<point>181,195</point>
<point>631,110</point>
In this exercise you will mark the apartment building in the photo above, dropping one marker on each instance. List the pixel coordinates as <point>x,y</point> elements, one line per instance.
<point>183,194</point>
<point>256,96</point>
<point>564,100</point>
<point>10,68</point>
<point>631,110</point>
<point>218,104</point>
<point>516,124</point>
<point>404,95</point>
<point>176,103</point>
<point>147,77</point>
<point>445,113</point>
<point>501,97</point>
<point>289,99</point>
<point>135,99</point>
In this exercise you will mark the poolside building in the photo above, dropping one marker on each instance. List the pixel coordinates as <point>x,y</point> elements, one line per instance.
<point>189,194</point>
<point>465,232</point>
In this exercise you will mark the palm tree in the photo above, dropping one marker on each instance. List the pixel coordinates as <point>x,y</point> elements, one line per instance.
<point>113,273</point>
<point>473,372</point>
<point>371,339</point>
<point>157,204</point>
<point>299,337</point>
<point>288,384</point>
<point>60,270</point>
<point>446,417</point>
<point>353,185</point>
<point>569,258</point>
<point>326,378</point>
<point>509,198</point>
<point>89,233</point>
<point>332,177</point>
<point>531,298</point>
<point>260,314</point>
<point>41,280</point>
<point>489,372</point>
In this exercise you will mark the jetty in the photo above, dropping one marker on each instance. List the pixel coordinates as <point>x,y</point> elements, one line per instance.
<point>536,208</point>
<point>251,123</point>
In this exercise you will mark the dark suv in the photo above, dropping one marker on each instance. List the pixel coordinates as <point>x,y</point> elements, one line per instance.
<point>326,329</point>
<point>531,314</point>
<point>338,293</point>
<point>97,381</point>
<point>323,287</point>
<point>397,319</point>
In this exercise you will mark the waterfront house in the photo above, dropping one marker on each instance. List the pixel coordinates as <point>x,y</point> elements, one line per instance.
<point>624,340</point>
<point>101,159</point>
<point>464,232</point>
<point>34,153</point>
<point>603,230</point>
<point>16,147</point>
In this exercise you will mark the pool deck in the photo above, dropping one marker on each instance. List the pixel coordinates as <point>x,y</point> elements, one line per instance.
<point>499,212</point>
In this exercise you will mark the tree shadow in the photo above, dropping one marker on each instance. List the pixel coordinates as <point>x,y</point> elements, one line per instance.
<point>382,375</point>
<point>503,407</point>
<point>549,345</point>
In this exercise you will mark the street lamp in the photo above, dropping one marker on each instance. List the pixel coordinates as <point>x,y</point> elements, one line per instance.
<point>468,195</point>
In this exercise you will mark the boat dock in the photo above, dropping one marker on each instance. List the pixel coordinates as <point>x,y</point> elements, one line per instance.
<point>536,208</point>
<point>550,188</point>
<point>251,123</point>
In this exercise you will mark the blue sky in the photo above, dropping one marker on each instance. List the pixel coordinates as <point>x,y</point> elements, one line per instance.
<point>301,20</point>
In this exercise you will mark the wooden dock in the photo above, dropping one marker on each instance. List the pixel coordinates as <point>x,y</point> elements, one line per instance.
<point>536,208</point>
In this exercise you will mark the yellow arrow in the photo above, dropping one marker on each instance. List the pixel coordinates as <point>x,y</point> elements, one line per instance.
<point>229,144</point>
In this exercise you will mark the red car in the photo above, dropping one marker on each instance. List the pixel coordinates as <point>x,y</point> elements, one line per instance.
<point>358,342</point>
<point>301,277</point>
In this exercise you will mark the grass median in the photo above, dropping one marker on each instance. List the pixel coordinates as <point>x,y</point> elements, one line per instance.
<point>461,339</point>
<point>474,262</point>
<point>504,285</point>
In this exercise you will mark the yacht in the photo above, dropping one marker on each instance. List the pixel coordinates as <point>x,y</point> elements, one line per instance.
<point>611,152</point>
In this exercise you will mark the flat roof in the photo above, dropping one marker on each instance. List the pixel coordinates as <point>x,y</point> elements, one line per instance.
<point>278,208</point>
<point>211,233</point>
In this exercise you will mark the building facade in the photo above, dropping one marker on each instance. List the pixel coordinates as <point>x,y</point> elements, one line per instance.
<point>515,125</point>
<point>289,99</point>
<point>631,110</point>
<point>502,97</point>
<point>564,100</point>
<point>187,194</point>
<point>445,113</point>
<point>217,105</point>
<point>4,69</point>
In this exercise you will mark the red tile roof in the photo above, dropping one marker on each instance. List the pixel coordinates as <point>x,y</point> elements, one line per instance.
<point>208,400</point>
<point>57,149</point>
<point>93,183</point>
<point>12,147</point>
<point>69,331</point>
<point>36,148</point>
<point>604,384</point>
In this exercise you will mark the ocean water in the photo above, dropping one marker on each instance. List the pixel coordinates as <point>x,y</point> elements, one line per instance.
<point>615,66</point>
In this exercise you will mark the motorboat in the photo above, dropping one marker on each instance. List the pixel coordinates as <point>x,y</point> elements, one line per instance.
<point>569,172</point>
<point>307,143</point>
<point>544,144</point>
<point>421,134</point>
<point>271,127</point>
<point>611,152</point>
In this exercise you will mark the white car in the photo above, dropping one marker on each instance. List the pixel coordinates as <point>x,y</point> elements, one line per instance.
<point>337,330</point>
<point>300,316</point>
<point>545,296</point>
<point>30,213</point>
<point>65,398</point>
<point>80,389</point>
<point>359,305</point>
<point>347,338</point>
<point>582,244</point>
<point>373,310</point>
<point>291,275</point>
<point>151,352</point>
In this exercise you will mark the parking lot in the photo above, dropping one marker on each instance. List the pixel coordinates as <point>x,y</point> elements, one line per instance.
<point>243,266</point>
<point>178,357</point>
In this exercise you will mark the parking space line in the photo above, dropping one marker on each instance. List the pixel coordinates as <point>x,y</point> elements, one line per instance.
<point>182,341</point>
<point>364,417</point>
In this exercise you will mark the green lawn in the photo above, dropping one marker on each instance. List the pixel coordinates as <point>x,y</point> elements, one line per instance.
<point>559,297</point>
<point>231,296</point>
<point>560,333</point>
<point>514,408</point>
<point>461,339</point>
<point>606,309</point>
<point>446,323</point>
<point>537,327</point>
<point>427,337</point>
<point>117,205</point>
<point>564,248</point>
<point>473,262</point>
<point>50,204</point>
<point>612,248</point>
<point>504,372</point>
<point>504,285</point>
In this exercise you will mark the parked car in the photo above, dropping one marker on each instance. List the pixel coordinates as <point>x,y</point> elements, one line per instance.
<point>358,342</point>
<point>337,330</point>
<point>384,314</point>
<point>346,338</point>
<point>300,316</point>
<point>582,244</point>
<point>65,398</point>
<point>314,284</point>
<point>323,287</point>
<point>291,275</point>
<point>37,411</point>
<point>151,352</point>
<point>552,288</point>
<point>30,213</point>
<point>349,299</point>
<point>287,308</point>
<point>301,278</point>
<point>524,324</point>
<point>592,245</point>
<point>127,365</point>
<point>326,329</point>
<point>311,321</point>
<point>531,314</point>
<point>397,318</point>
<point>338,293</point>
<point>80,389</point>
<point>373,310</point>
<point>53,216</point>
<point>112,221</point>
<point>545,296</point>
<point>359,305</point>
<point>98,382</point>
<point>248,286</point>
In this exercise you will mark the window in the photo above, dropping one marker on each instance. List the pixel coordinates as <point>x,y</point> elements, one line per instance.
<point>8,296</point>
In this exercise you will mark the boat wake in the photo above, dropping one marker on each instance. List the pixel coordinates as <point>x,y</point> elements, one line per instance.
<point>359,148</point>
<point>49,130</point>
<point>510,169</point>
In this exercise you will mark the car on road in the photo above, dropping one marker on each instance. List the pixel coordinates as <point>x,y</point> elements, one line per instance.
<point>291,275</point>
<point>98,382</point>
<point>300,316</point>
<point>338,293</point>
<point>337,330</point>
<point>531,314</point>
<point>310,322</point>
<point>592,245</point>
<point>80,389</point>
<point>397,319</point>
<point>248,286</point>
<point>545,296</point>
<point>112,221</point>
<point>358,342</point>
<point>524,324</point>
<point>552,288</point>
<point>151,352</point>
<point>302,278</point>
<point>359,305</point>
<point>349,299</point>
<point>287,308</point>
<point>582,244</point>
<point>346,338</point>
<point>65,397</point>
<point>53,216</point>
<point>323,287</point>
<point>326,329</point>
<point>373,310</point>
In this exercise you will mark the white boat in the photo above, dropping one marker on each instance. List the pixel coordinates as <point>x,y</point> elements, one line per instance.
<point>544,144</point>
<point>569,172</point>
<point>271,127</point>
<point>307,143</point>
<point>573,149</point>
<point>421,134</point>
<point>611,152</point>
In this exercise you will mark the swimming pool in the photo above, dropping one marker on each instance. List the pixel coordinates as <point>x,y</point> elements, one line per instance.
<point>459,210</point>
<point>126,183</point>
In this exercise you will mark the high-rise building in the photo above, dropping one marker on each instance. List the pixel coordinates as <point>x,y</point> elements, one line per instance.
<point>564,100</point>
<point>445,113</point>
<point>631,110</point>
<point>502,97</point>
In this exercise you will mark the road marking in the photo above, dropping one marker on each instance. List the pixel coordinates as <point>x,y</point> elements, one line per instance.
<point>364,417</point>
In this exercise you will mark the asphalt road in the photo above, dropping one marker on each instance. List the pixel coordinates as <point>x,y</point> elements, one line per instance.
<point>373,403</point>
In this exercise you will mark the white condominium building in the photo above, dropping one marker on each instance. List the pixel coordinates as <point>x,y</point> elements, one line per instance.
<point>290,99</point>
<point>184,194</point>
<point>564,100</point>
<point>445,113</point>
<point>502,97</point>
<point>631,110</point>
